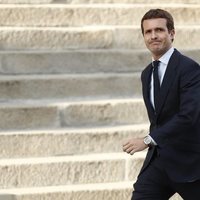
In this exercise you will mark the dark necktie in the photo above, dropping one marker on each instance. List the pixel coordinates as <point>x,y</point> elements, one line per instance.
<point>156,83</point>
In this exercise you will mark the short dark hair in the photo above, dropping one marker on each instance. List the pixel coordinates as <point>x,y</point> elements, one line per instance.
<point>158,13</point>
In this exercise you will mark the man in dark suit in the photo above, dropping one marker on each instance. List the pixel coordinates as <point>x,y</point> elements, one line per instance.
<point>171,92</point>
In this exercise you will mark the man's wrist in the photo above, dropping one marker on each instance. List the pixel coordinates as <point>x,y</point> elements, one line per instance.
<point>149,141</point>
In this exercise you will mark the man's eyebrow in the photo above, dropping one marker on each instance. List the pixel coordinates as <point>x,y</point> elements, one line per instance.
<point>147,30</point>
<point>159,28</point>
<point>156,28</point>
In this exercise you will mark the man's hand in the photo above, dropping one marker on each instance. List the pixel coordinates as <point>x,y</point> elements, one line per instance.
<point>134,145</point>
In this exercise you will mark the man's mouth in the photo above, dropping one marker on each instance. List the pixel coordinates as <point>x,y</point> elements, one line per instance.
<point>155,43</point>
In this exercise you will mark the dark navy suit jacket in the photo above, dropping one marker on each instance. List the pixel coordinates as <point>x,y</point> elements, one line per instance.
<point>175,125</point>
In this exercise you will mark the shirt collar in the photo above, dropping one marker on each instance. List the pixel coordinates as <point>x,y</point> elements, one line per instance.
<point>165,58</point>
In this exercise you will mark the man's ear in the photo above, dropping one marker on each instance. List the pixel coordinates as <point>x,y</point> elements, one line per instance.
<point>172,34</point>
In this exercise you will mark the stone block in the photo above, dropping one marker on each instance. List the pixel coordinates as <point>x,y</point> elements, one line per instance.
<point>80,86</point>
<point>124,37</point>
<point>64,15</point>
<point>134,165</point>
<point>54,38</point>
<point>96,1</point>
<point>67,142</point>
<point>45,115</point>
<point>55,171</point>
<point>7,197</point>
<point>77,61</point>
<point>105,113</point>
<point>14,117</point>
<point>106,191</point>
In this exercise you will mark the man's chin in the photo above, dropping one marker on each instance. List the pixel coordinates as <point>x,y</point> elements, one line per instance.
<point>155,48</point>
<point>157,52</point>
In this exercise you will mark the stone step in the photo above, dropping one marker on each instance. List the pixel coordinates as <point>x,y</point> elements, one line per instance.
<point>62,114</point>
<point>105,37</point>
<point>59,142</point>
<point>70,86</point>
<point>106,191</point>
<point>54,171</point>
<point>99,191</point>
<point>78,61</point>
<point>95,1</point>
<point>95,14</point>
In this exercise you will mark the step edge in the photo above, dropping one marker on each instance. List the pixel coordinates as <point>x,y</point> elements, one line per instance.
<point>75,158</point>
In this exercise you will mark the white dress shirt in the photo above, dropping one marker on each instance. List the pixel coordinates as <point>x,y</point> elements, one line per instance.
<point>164,60</point>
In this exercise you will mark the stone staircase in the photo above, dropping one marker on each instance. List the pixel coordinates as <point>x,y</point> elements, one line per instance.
<point>70,94</point>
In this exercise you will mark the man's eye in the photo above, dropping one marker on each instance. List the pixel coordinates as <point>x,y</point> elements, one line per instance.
<point>147,32</point>
<point>159,30</point>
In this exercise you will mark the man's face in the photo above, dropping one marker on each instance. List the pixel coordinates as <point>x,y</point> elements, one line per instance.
<point>157,37</point>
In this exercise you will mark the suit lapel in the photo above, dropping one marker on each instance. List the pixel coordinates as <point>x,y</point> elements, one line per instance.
<point>146,90</point>
<point>168,78</point>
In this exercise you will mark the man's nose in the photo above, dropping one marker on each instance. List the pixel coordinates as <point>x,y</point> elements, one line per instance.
<point>153,35</point>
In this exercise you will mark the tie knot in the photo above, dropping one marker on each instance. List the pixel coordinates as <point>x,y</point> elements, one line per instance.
<point>155,63</point>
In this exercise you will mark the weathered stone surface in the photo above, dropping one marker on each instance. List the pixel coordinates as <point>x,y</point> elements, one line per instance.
<point>37,115</point>
<point>67,142</point>
<point>7,197</point>
<point>79,61</point>
<point>106,191</point>
<point>125,1</point>
<point>96,168</point>
<point>133,168</point>
<point>24,1</point>
<point>95,1</point>
<point>54,38</point>
<point>85,15</point>
<point>88,38</point>
<point>70,86</point>
<point>105,113</point>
